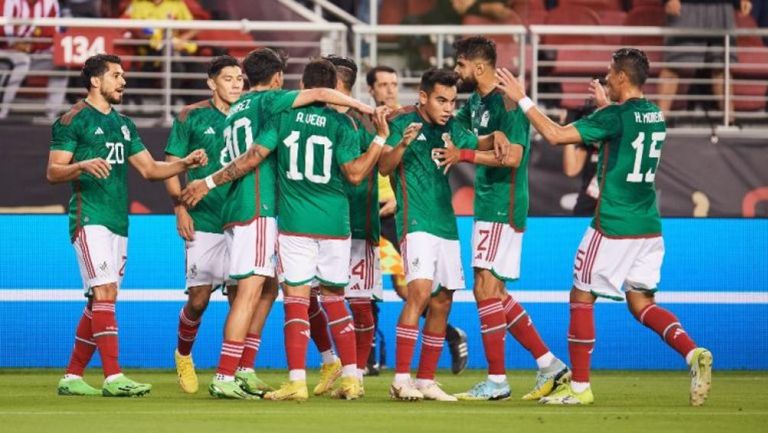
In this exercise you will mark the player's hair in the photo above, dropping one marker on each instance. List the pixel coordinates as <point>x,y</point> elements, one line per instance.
<point>370,77</point>
<point>476,48</point>
<point>434,76</point>
<point>96,66</point>
<point>261,64</point>
<point>219,63</point>
<point>319,73</point>
<point>634,63</point>
<point>346,69</point>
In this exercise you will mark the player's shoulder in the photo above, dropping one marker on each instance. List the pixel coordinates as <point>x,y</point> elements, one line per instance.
<point>402,114</point>
<point>504,100</point>
<point>191,108</point>
<point>67,118</point>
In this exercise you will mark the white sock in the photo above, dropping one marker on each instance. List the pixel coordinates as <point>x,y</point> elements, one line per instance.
<point>422,383</point>
<point>579,387</point>
<point>544,360</point>
<point>349,370</point>
<point>497,378</point>
<point>402,377</point>
<point>328,357</point>
<point>72,376</point>
<point>360,373</point>
<point>224,377</point>
<point>245,370</point>
<point>294,375</point>
<point>112,377</point>
<point>689,357</point>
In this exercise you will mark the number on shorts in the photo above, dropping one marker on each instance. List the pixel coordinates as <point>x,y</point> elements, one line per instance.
<point>579,260</point>
<point>359,270</point>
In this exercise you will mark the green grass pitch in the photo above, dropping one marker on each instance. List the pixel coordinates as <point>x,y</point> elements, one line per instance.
<point>626,401</point>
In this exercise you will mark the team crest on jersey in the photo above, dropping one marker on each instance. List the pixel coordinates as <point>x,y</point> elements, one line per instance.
<point>126,132</point>
<point>484,119</point>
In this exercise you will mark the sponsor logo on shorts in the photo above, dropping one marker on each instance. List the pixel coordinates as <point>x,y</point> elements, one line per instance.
<point>104,266</point>
<point>415,264</point>
<point>193,271</point>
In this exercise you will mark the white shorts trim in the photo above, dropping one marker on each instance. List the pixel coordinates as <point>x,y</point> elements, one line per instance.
<point>207,260</point>
<point>303,259</point>
<point>497,247</point>
<point>252,248</point>
<point>364,271</point>
<point>429,257</point>
<point>101,256</point>
<point>607,267</point>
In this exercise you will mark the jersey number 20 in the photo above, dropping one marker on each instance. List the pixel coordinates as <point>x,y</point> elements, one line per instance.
<point>654,152</point>
<point>293,173</point>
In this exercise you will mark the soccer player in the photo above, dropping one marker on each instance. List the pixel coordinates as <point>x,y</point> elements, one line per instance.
<point>426,225</point>
<point>501,208</point>
<point>621,253</point>
<point>250,208</point>
<point>90,147</point>
<point>200,126</point>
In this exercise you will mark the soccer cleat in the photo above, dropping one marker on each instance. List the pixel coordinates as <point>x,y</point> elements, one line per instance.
<point>124,387</point>
<point>548,379</point>
<point>405,391</point>
<point>564,395</point>
<point>701,376</point>
<point>250,383</point>
<point>228,389</point>
<point>76,386</point>
<point>459,352</point>
<point>185,371</point>
<point>349,389</point>
<point>328,375</point>
<point>432,391</point>
<point>293,390</point>
<point>486,390</point>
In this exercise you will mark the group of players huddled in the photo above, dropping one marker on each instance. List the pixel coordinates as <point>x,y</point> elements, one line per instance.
<point>318,237</point>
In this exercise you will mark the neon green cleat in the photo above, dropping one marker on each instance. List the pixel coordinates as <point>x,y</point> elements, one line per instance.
<point>564,395</point>
<point>349,389</point>
<point>701,376</point>
<point>329,373</point>
<point>185,371</point>
<point>228,389</point>
<point>76,386</point>
<point>125,387</point>
<point>250,383</point>
<point>548,379</point>
<point>293,390</point>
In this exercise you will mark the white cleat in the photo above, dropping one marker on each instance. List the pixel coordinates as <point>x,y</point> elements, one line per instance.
<point>431,391</point>
<point>405,391</point>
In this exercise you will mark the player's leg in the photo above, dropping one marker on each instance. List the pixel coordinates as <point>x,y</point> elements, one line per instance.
<point>245,374</point>
<point>432,340</point>
<point>330,365</point>
<point>189,323</point>
<point>364,285</point>
<point>406,335</point>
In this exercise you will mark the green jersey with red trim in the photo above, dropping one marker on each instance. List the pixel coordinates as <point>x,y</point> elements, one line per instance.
<point>364,198</point>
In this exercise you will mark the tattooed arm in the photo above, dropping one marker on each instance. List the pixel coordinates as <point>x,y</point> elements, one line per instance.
<point>245,163</point>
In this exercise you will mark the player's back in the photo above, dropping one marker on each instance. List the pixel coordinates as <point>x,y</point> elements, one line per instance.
<point>312,144</point>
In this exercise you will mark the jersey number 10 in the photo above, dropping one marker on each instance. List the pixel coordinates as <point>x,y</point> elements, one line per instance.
<point>293,173</point>
<point>654,152</point>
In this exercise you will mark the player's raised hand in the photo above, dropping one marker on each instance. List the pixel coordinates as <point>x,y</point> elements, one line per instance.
<point>185,225</point>
<point>198,158</point>
<point>598,93</point>
<point>96,167</point>
<point>380,121</point>
<point>410,134</point>
<point>446,156</point>
<point>509,84</point>
<point>366,109</point>
<point>194,192</point>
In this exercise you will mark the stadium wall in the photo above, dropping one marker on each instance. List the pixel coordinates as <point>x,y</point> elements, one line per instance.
<point>715,279</point>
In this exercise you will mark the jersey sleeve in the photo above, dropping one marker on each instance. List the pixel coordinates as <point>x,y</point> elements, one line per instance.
<point>395,133</point>
<point>134,145</point>
<point>178,141</point>
<point>267,138</point>
<point>464,117</point>
<point>63,137</point>
<point>598,126</point>
<point>281,100</point>
<point>347,143</point>
<point>462,137</point>
<point>516,127</point>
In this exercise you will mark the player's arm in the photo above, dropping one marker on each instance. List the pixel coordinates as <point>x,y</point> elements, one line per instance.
<point>330,96</point>
<point>243,164</point>
<point>392,156</point>
<point>552,132</point>
<point>359,168</point>
<point>61,168</point>
<point>574,158</point>
<point>185,225</point>
<point>150,169</point>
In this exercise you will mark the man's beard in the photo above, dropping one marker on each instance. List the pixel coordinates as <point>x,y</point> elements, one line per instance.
<point>466,86</point>
<point>112,99</point>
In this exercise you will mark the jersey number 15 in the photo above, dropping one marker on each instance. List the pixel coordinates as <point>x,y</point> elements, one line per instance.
<point>654,151</point>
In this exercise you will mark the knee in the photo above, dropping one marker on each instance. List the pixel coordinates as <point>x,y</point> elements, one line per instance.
<point>418,299</point>
<point>105,292</point>
<point>197,306</point>
<point>441,305</point>
<point>637,306</point>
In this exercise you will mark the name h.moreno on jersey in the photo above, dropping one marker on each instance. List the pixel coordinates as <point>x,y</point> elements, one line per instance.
<point>650,117</point>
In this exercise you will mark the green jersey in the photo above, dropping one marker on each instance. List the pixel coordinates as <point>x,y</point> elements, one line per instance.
<point>200,126</point>
<point>364,198</point>
<point>312,143</point>
<point>254,194</point>
<point>631,136</point>
<point>422,190</point>
<point>88,133</point>
<point>501,193</point>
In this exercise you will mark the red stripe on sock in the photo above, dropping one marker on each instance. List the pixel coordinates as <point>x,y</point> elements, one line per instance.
<point>664,323</point>
<point>405,344</point>
<point>84,347</point>
<point>493,330</point>
<point>431,347</point>
<point>104,328</point>
<point>250,350</point>
<point>342,328</point>
<point>523,329</point>
<point>296,331</point>
<point>231,351</point>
